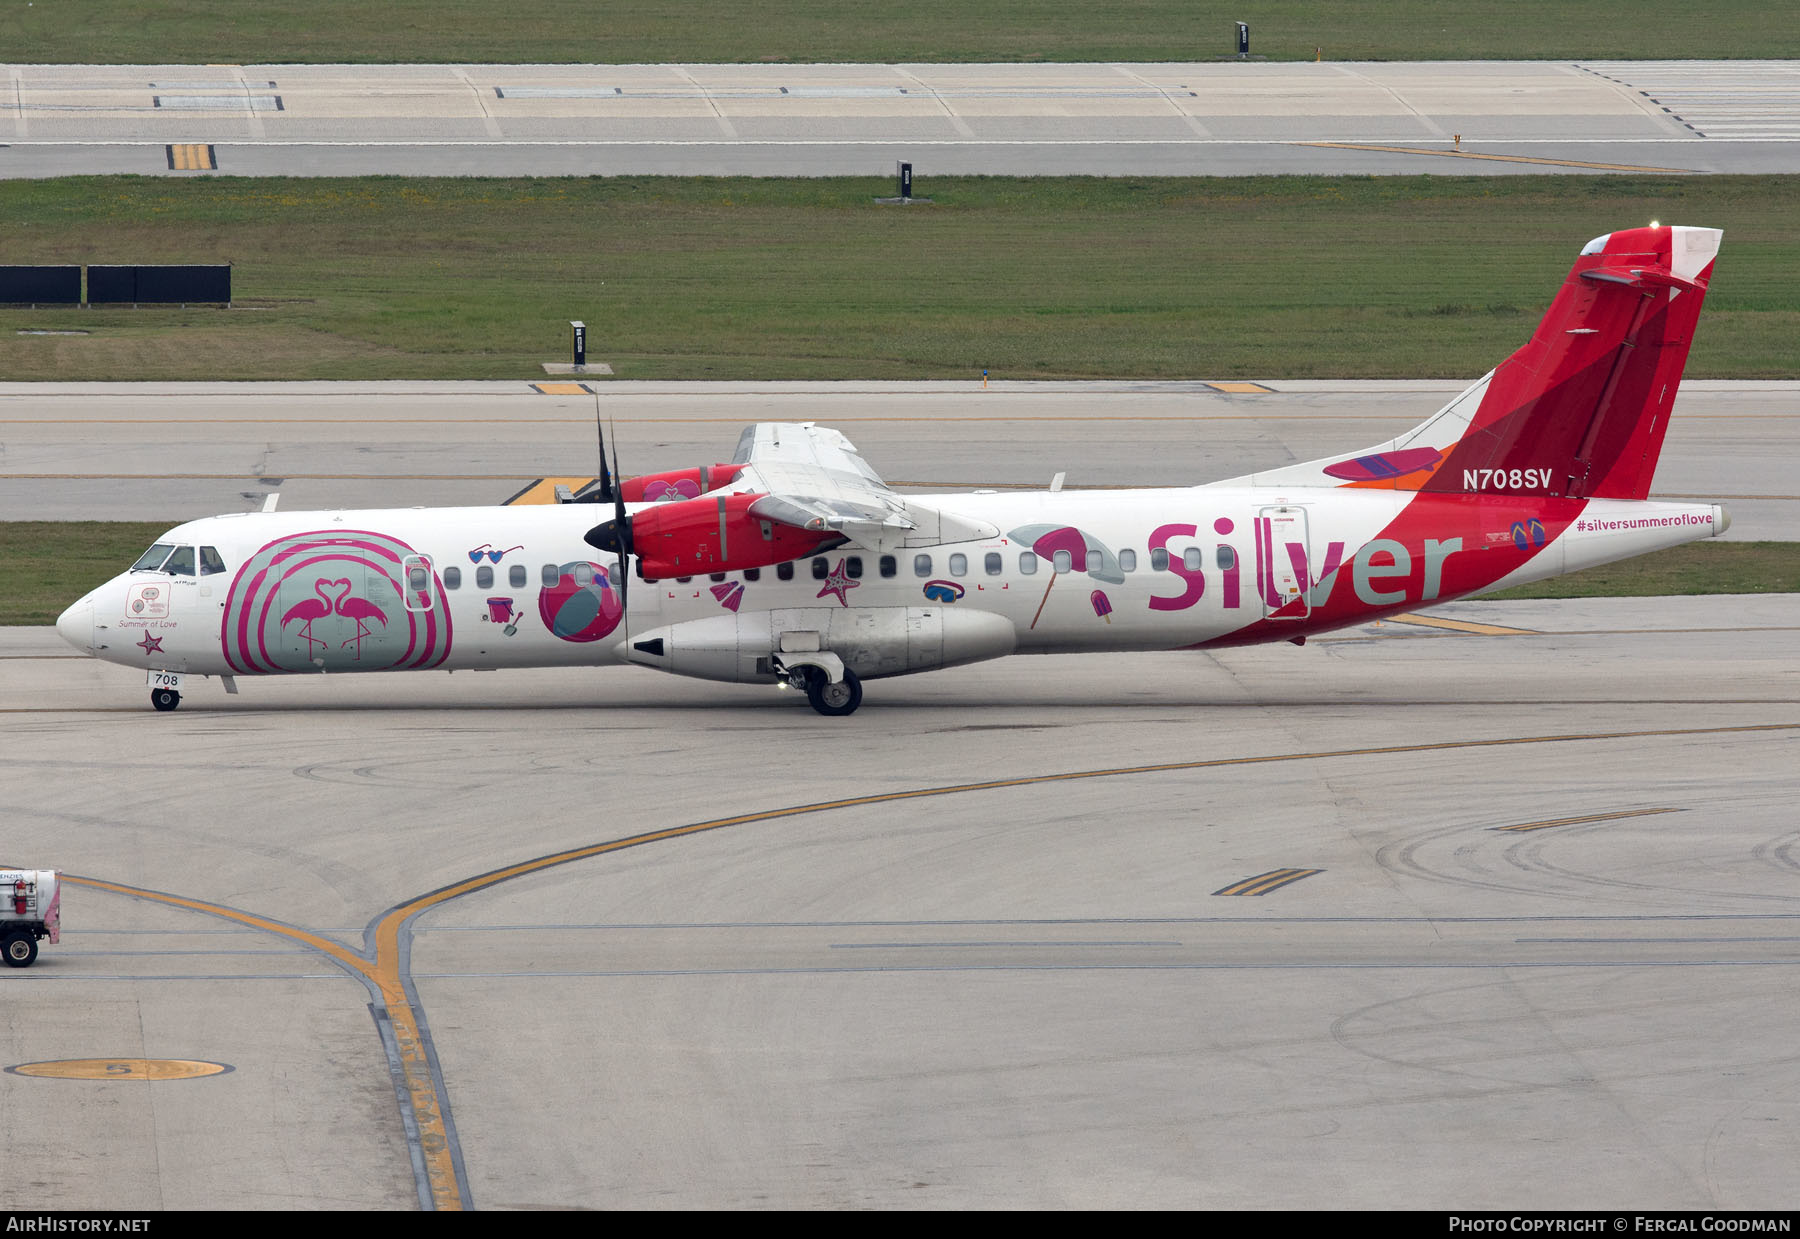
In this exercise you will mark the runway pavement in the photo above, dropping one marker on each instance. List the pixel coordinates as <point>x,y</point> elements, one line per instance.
<point>1527,936</point>
<point>815,120</point>
<point>174,451</point>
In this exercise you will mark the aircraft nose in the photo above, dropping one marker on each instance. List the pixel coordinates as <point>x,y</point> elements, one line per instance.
<point>76,625</point>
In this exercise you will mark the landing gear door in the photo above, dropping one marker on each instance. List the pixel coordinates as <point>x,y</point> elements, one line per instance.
<point>1283,563</point>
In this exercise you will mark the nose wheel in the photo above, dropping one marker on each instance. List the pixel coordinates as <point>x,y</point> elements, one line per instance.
<point>164,698</point>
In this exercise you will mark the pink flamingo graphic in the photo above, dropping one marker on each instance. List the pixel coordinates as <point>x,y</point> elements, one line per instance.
<point>310,609</point>
<point>359,609</point>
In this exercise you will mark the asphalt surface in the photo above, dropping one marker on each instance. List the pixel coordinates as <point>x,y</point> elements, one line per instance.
<point>174,451</point>
<point>1527,936</point>
<point>1476,118</point>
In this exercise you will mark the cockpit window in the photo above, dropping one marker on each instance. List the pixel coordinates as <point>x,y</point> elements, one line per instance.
<point>181,563</point>
<point>152,559</point>
<point>210,561</point>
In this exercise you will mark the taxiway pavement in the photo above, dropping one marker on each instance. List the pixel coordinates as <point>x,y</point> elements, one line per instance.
<point>175,451</point>
<point>1536,947</point>
<point>817,120</point>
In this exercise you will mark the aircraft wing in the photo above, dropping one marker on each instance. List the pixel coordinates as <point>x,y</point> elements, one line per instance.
<point>811,477</point>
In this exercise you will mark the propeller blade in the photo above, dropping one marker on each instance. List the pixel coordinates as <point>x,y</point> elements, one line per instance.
<point>606,478</point>
<point>621,533</point>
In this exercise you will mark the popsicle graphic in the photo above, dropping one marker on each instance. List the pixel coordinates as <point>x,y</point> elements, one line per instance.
<point>1102,604</point>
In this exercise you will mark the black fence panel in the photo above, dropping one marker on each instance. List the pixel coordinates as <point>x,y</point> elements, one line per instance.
<point>45,285</point>
<point>184,283</point>
<point>112,284</point>
<point>159,284</point>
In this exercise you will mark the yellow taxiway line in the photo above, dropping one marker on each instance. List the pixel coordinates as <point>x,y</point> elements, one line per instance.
<point>1535,159</point>
<point>1485,630</point>
<point>1588,817</point>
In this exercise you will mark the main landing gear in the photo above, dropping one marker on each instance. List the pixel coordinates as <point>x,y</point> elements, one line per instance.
<point>812,670</point>
<point>833,700</point>
<point>164,698</point>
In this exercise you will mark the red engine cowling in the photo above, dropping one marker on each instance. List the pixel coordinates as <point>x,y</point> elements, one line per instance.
<point>678,484</point>
<point>716,535</point>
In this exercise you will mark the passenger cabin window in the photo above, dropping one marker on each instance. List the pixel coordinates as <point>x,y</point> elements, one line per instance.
<point>1159,559</point>
<point>484,577</point>
<point>181,563</point>
<point>853,565</point>
<point>1062,561</point>
<point>921,565</point>
<point>1127,561</point>
<point>453,577</point>
<point>1227,558</point>
<point>1027,563</point>
<point>549,576</point>
<point>753,574</point>
<point>211,563</point>
<point>785,572</point>
<point>584,575</point>
<point>889,566</point>
<point>417,594</point>
<point>1193,559</point>
<point>515,576</point>
<point>959,564</point>
<point>820,569</point>
<point>991,563</point>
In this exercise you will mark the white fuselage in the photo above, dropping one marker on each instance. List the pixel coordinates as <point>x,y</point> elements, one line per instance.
<point>481,588</point>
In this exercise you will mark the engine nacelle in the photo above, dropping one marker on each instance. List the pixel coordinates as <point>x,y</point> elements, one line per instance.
<point>872,641</point>
<point>678,484</point>
<point>716,535</point>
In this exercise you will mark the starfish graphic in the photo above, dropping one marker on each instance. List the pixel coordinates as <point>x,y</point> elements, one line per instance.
<point>839,583</point>
<point>150,645</point>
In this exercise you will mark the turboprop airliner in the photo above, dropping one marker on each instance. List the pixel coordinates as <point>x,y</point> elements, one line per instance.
<point>794,565</point>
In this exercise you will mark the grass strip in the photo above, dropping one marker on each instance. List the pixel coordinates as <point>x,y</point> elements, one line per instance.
<point>920,31</point>
<point>52,563</point>
<point>1709,567</point>
<point>749,278</point>
<point>55,562</point>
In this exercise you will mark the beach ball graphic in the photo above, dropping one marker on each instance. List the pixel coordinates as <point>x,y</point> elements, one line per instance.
<point>582,605</point>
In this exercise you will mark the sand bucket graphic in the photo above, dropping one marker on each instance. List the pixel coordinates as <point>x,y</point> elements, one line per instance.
<point>500,611</point>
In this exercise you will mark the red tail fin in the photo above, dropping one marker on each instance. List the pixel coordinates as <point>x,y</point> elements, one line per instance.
<point>1581,410</point>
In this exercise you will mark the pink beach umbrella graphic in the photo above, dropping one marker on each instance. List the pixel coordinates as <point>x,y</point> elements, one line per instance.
<point>1086,554</point>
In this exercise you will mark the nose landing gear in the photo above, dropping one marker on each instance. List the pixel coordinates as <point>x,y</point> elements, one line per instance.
<point>164,698</point>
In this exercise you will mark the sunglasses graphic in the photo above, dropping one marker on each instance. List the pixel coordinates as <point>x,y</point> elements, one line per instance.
<point>493,556</point>
<point>943,591</point>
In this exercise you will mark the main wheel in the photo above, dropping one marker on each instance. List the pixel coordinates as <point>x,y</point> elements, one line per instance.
<point>834,700</point>
<point>164,698</point>
<point>20,949</point>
